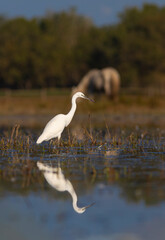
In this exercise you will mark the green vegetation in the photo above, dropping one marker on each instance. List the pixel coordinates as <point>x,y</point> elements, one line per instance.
<point>130,158</point>
<point>58,49</point>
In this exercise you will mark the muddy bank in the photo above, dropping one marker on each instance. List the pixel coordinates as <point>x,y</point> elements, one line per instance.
<point>96,120</point>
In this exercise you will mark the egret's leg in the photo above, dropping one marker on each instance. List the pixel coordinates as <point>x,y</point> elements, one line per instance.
<point>54,143</point>
<point>59,143</point>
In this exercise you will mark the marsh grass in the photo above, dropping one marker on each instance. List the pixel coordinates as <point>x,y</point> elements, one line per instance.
<point>18,140</point>
<point>100,154</point>
<point>15,140</point>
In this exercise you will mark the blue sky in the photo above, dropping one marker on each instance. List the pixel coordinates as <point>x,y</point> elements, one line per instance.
<point>100,11</point>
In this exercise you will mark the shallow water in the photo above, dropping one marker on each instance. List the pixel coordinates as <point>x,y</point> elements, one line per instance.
<point>44,189</point>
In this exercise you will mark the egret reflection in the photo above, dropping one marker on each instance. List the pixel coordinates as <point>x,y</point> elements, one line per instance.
<point>57,180</point>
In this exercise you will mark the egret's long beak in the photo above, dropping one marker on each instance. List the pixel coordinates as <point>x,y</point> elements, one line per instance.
<point>89,99</point>
<point>90,205</point>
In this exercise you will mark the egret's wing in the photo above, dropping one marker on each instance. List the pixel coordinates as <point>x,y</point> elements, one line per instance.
<point>54,127</point>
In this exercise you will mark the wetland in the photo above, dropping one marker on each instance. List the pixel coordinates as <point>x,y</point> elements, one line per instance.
<point>111,163</point>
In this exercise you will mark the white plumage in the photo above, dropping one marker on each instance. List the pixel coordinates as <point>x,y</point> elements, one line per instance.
<point>56,179</point>
<point>56,125</point>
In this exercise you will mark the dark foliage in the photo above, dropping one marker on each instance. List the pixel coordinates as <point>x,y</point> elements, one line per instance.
<point>59,48</point>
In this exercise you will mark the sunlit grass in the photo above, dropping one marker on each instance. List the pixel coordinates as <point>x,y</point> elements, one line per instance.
<point>102,142</point>
<point>45,102</point>
<point>109,155</point>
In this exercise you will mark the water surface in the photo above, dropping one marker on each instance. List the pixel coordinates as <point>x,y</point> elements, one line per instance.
<point>44,189</point>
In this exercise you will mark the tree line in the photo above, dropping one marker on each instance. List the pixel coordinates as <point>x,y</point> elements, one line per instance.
<point>58,49</point>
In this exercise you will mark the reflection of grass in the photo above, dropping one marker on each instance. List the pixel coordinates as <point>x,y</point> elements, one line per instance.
<point>123,156</point>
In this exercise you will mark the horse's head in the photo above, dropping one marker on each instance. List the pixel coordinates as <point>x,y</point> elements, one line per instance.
<point>74,90</point>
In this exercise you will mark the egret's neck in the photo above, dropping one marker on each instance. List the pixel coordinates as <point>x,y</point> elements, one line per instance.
<point>70,114</point>
<point>74,201</point>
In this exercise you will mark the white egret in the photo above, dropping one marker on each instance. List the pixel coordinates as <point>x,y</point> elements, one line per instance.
<point>57,180</point>
<point>56,125</point>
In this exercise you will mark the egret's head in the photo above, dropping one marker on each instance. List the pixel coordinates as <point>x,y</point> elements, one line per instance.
<point>83,209</point>
<point>81,95</point>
